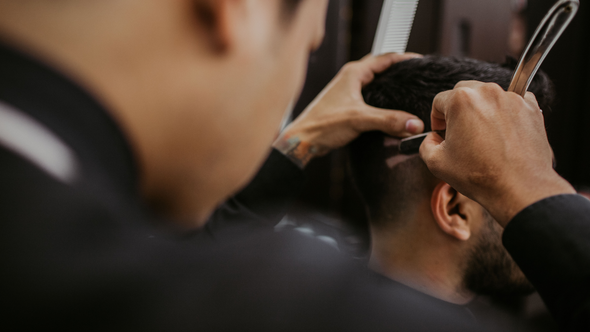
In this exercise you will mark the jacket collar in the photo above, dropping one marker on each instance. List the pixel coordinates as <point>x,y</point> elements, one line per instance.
<point>72,114</point>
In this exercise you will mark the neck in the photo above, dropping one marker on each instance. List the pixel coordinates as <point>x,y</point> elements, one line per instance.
<point>410,256</point>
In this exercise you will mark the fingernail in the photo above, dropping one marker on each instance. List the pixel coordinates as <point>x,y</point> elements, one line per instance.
<point>414,126</point>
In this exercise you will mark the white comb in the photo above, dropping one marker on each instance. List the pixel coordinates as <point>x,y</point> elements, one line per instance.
<point>395,24</point>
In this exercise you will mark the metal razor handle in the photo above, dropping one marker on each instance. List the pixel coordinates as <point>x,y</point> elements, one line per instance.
<point>412,144</point>
<point>547,33</point>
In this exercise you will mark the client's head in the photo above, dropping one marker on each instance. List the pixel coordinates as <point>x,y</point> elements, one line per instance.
<point>423,232</point>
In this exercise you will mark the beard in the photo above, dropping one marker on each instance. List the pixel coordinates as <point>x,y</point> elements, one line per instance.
<point>490,269</point>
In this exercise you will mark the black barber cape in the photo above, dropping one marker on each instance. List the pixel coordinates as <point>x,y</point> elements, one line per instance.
<point>80,250</point>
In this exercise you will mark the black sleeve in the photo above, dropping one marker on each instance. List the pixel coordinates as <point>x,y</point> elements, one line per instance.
<point>550,241</point>
<point>265,200</point>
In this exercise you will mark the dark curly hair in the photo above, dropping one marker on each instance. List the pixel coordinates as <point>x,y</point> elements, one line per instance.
<point>411,86</point>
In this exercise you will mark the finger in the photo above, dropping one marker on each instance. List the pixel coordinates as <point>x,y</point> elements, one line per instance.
<point>377,64</point>
<point>392,122</point>
<point>531,100</point>
<point>440,106</point>
<point>430,147</point>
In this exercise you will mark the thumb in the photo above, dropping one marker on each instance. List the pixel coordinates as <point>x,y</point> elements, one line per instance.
<point>392,122</point>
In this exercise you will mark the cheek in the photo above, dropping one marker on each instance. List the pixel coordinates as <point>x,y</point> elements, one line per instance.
<point>294,73</point>
<point>283,89</point>
<point>269,114</point>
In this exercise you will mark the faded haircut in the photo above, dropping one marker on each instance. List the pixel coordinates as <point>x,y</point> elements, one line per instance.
<point>411,86</point>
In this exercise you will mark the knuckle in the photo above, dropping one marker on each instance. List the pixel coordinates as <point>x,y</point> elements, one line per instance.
<point>463,94</point>
<point>515,98</point>
<point>354,113</point>
<point>430,160</point>
<point>350,67</point>
<point>394,123</point>
<point>492,88</point>
<point>460,84</point>
<point>469,84</point>
<point>462,98</point>
<point>356,124</point>
<point>354,117</point>
<point>531,98</point>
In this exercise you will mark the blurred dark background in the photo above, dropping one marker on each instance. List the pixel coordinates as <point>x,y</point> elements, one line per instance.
<point>483,29</point>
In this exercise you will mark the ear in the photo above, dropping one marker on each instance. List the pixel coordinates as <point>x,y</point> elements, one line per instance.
<point>453,213</point>
<point>216,19</point>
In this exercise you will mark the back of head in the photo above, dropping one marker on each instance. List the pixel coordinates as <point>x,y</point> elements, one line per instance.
<point>390,184</point>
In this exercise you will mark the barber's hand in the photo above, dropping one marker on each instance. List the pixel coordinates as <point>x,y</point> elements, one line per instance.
<point>339,114</point>
<point>495,149</point>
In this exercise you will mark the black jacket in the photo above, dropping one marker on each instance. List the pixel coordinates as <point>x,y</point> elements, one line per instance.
<point>82,252</point>
<point>550,242</point>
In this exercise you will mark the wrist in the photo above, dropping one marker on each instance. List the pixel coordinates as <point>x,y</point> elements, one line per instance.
<point>504,204</point>
<point>299,150</point>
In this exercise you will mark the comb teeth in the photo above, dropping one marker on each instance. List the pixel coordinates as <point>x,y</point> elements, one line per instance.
<point>395,24</point>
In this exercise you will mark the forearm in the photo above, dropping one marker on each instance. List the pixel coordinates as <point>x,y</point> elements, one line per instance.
<point>521,193</point>
<point>550,241</point>
<point>299,151</point>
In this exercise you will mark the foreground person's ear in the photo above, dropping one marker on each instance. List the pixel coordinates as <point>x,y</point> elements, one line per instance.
<point>453,212</point>
<point>217,21</point>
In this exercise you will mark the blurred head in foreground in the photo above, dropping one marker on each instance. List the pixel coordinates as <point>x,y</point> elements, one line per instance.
<point>424,233</point>
<point>187,80</point>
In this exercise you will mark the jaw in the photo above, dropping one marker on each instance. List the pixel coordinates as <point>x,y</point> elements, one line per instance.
<point>427,263</point>
<point>489,268</point>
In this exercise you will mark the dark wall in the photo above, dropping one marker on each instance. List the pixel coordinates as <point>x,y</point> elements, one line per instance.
<point>424,37</point>
<point>568,65</point>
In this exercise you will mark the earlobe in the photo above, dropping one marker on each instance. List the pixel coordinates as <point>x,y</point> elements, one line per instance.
<point>449,213</point>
